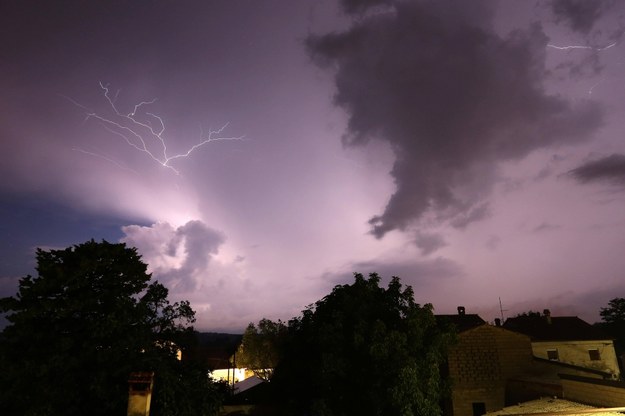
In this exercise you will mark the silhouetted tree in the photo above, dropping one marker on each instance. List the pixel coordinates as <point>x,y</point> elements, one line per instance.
<point>364,350</point>
<point>529,313</point>
<point>89,318</point>
<point>261,347</point>
<point>613,317</point>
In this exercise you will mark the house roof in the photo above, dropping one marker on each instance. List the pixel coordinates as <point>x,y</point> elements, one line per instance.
<point>462,322</point>
<point>248,383</point>
<point>556,328</point>
<point>215,349</point>
<point>551,406</point>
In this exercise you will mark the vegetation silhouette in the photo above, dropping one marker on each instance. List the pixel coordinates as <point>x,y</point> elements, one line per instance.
<point>89,318</point>
<point>363,350</point>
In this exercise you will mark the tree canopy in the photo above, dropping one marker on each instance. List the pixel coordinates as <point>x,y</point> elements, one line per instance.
<point>76,331</point>
<point>614,312</point>
<point>364,350</point>
<point>261,347</point>
<point>613,317</point>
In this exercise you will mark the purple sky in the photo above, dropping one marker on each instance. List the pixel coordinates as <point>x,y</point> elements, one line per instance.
<point>474,149</point>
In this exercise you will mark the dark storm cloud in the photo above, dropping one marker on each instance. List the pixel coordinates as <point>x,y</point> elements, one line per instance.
<point>429,243</point>
<point>358,6</point>
<point>609,169</point>
<point>451,97</point>
<point>580,15</point>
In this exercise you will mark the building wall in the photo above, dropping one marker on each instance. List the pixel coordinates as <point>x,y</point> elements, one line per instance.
<point>480,364</point>
<point>463,399</point>
<point>594,392</point>
<point>225,374</point>
<point>576,353</point>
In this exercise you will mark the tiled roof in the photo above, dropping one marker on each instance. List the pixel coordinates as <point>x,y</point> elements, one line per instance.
<point>552,406</point>
<point>556,328</point>
<point>462,322</point>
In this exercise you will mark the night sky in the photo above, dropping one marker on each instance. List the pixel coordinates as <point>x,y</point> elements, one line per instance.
<point>472,148</point>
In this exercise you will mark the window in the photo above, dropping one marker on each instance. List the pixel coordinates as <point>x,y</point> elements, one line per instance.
<point>479,408</point>
<point>594,355</point>
<point>553,355</point>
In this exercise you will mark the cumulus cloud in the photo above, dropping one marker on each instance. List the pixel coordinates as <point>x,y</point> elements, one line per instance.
<point>607,169</point>
<point>451,97</point>
<point>359,6</point>
<point>178,257</point>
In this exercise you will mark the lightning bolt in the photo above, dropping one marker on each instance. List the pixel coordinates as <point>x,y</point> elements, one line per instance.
<point>593,48</point>
<point>569,47</point>
<point>139,128</point>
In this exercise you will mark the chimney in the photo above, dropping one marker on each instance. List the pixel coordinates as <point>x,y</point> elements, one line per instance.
<point>547,314</point>
<point>461,310</point>
<point>497,322</point>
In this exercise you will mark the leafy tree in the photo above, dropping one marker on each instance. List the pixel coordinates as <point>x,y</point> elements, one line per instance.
<point>613,317</point>
<point>614,312</point>
<point>261,347</point>
<point>77,330</point>
<point>530,313</point>
<point>364,350</point>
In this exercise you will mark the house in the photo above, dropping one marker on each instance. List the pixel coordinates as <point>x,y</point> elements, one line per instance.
<point>218,352</point>
<point>482,362</point>
<point>568,340</point>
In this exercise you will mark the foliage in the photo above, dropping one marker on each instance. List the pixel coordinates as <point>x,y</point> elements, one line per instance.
<point>79,328</point>
<point>614,312</point>
<point>530,313</point>
<point>613,317</point>
<point>261,347</point>
<point>364,350</point>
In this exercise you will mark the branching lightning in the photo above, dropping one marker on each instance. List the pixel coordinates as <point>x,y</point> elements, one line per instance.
<point>139,127</point>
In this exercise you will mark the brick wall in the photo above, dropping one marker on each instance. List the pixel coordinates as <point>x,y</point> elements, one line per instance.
<point>480,364</point>
<point>463,399</point>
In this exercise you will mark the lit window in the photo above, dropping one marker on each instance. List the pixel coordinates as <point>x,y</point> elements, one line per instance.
<point>553,355</point>
<point>594,355</point>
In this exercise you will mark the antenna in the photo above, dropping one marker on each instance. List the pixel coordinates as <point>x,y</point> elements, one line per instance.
<point>501,310</point>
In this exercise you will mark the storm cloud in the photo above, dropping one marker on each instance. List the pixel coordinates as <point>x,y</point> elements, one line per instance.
<point>451,97</point>
<point>580,15</point>
<point>607,169</point>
